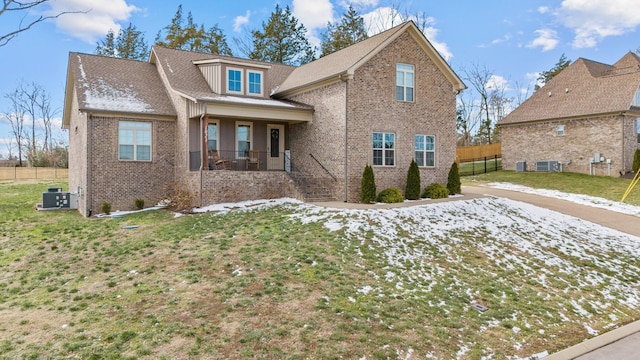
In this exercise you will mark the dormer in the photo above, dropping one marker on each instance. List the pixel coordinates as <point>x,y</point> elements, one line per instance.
<point>228,77</point>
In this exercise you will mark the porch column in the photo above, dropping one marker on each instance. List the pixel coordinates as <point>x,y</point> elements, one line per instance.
<point>205,143</point>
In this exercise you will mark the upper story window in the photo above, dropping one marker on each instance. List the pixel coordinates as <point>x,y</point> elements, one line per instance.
<point>234,80</point>
<point>134,141</point>
<point>638,128</point>
<point>560,130</point>
<point>384,145</point>
<point>425,150</point>
<point>404,82</point>
<point>636,100</point>
<point>254,79</point>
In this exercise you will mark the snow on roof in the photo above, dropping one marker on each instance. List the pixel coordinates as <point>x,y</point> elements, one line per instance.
<point>248,101</point>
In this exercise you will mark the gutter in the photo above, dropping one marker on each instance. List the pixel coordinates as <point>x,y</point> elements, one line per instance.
<point>346,78</point>
<point>89,199</point>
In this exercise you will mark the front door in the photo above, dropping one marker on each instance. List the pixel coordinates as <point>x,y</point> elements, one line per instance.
<point>275,147</point>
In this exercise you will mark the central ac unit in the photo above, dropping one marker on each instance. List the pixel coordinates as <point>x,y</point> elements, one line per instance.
<point>547,166</point>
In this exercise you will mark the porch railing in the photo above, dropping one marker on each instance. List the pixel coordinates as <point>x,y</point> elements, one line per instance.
<point>245,161</point>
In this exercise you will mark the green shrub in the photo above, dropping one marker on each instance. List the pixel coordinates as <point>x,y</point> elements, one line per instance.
<point>106,208</point>
<point>636,161</point>
<point>391,195</point>
<point>139,204</point>
<point>412,191</point>
<point>436,191</point>
<point>368,186</point>
<point>453,182</point>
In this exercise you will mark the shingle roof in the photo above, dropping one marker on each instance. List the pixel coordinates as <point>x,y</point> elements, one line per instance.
<point>185,77</point>
<point>118,85</point>
<point>346,60</point>
<point>584,88</point>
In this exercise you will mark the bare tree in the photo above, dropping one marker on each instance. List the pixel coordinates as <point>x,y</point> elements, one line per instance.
<point>466,119</point>
<point>16,118</point>
<point>46,116</point>
<point>479,78</point>
<point>28,97</point>
<point>522,94</point>
<point>9,6</point>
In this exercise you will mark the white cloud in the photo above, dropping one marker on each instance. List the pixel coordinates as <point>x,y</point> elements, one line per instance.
<point>497,82</point>
<point>97,17</point>
<point>314,15</point>
<point>547,39</point>
<point>543,9</point>
<point>240,20</point>
<point>593,20</point>
<point>534,79</point>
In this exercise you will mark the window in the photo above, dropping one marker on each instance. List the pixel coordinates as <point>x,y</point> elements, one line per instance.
<point>134,141</point>
<point>425,150</point>
<point>234,80</point>
<point>255,82</point>
<point>637,99</point>
<point>212,136</point>
<point>638,128</point>
<point>244,137</point>
<point>404,82</point>
<point>384,149</point>
<point>560,130</point>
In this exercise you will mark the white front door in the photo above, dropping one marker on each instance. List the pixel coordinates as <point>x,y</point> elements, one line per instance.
<point>275,147</point>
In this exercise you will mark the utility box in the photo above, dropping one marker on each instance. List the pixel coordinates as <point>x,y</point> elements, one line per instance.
<point>59,200</point>
<point>521,166</point>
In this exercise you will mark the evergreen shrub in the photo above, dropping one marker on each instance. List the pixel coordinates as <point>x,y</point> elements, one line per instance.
<point>453,182</point>
<point>436,191</point>
<point>368,186</point>
<point>391,195</point>
<point>412,191</point>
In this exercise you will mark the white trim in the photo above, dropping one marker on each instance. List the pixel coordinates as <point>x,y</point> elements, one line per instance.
<point>241,92</point>
<point>395,142</point>
<point>261,73</point>
<point>135,130</point>
<point>560,130</point>
<point>425,151</point>
<point>215,122</point>
<point>231,62</point>
<point>275,163</point>
<point>404,82</point>
<point>250,125</point>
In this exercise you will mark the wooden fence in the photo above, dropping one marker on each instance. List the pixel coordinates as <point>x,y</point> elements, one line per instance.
<point>476,152</point>
<point>24,173</point>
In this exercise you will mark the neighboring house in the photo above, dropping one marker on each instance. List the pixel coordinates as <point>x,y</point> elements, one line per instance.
<point>231,129</point>
<point>584,120</point>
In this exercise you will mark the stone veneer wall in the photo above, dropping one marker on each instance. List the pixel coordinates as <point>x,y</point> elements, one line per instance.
<point>583,137</point>
<point>121,182</point>
<point>219,186</point>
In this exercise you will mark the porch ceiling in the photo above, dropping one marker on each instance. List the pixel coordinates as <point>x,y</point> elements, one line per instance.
<point>259,110</point>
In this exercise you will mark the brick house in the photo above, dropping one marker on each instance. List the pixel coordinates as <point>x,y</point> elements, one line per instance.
<point>232,129</point>
<point>585,120</point>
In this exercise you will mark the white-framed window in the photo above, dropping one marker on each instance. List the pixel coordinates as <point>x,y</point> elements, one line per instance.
<point>254,82</point>
<point>213,135</point>
<point>638,128</point>
<point>560,130</point>
<point>134,141</point>
<point>404,82</point>
<point>425,150</point>
<point>244,138</point>
<point>234,80</point>
<point>384,149</point>
<point>636,100</point>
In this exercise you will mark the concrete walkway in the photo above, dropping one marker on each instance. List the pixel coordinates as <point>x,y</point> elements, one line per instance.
<point>619,344</point>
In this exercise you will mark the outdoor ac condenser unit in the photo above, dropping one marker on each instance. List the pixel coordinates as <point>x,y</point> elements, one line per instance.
<point>547,166</point>
<point>521,166</point>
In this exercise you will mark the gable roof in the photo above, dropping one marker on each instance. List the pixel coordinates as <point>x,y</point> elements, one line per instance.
<point>115,85</point>
<point>343,63</point>
<point>584,88</point>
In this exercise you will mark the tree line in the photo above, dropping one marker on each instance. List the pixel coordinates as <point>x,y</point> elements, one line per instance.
<point>281,39</point>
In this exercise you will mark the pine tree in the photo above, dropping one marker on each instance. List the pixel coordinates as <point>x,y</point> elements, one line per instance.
<point>282,40</point>
<point>562,63</point>
<point>216,42</point>
<point>453,182</point>
<point>412,191</point>
<point>173,38</point>
<point>131,44</point>
<point>636,161</point>
<point>368,186</point>
<point>349,31</point>
<point>107,47</point>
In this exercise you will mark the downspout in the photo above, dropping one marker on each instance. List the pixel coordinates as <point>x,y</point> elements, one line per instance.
<point>87,192</point>
<point>201,155</point>
<point>346,78</point>
<point>624,146</point>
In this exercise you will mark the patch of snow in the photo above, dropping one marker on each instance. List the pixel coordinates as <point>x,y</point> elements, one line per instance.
<point>249,101</point>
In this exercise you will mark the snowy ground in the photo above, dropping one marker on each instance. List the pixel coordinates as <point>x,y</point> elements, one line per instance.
<point>589,272</point>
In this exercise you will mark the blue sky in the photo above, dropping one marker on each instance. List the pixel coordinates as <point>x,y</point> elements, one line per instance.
<point>515,40</point>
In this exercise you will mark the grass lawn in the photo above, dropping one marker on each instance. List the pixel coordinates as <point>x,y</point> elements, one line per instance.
<point>289,280</point>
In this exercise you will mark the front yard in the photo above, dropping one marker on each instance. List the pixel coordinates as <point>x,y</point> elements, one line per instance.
<point>283,279</point>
